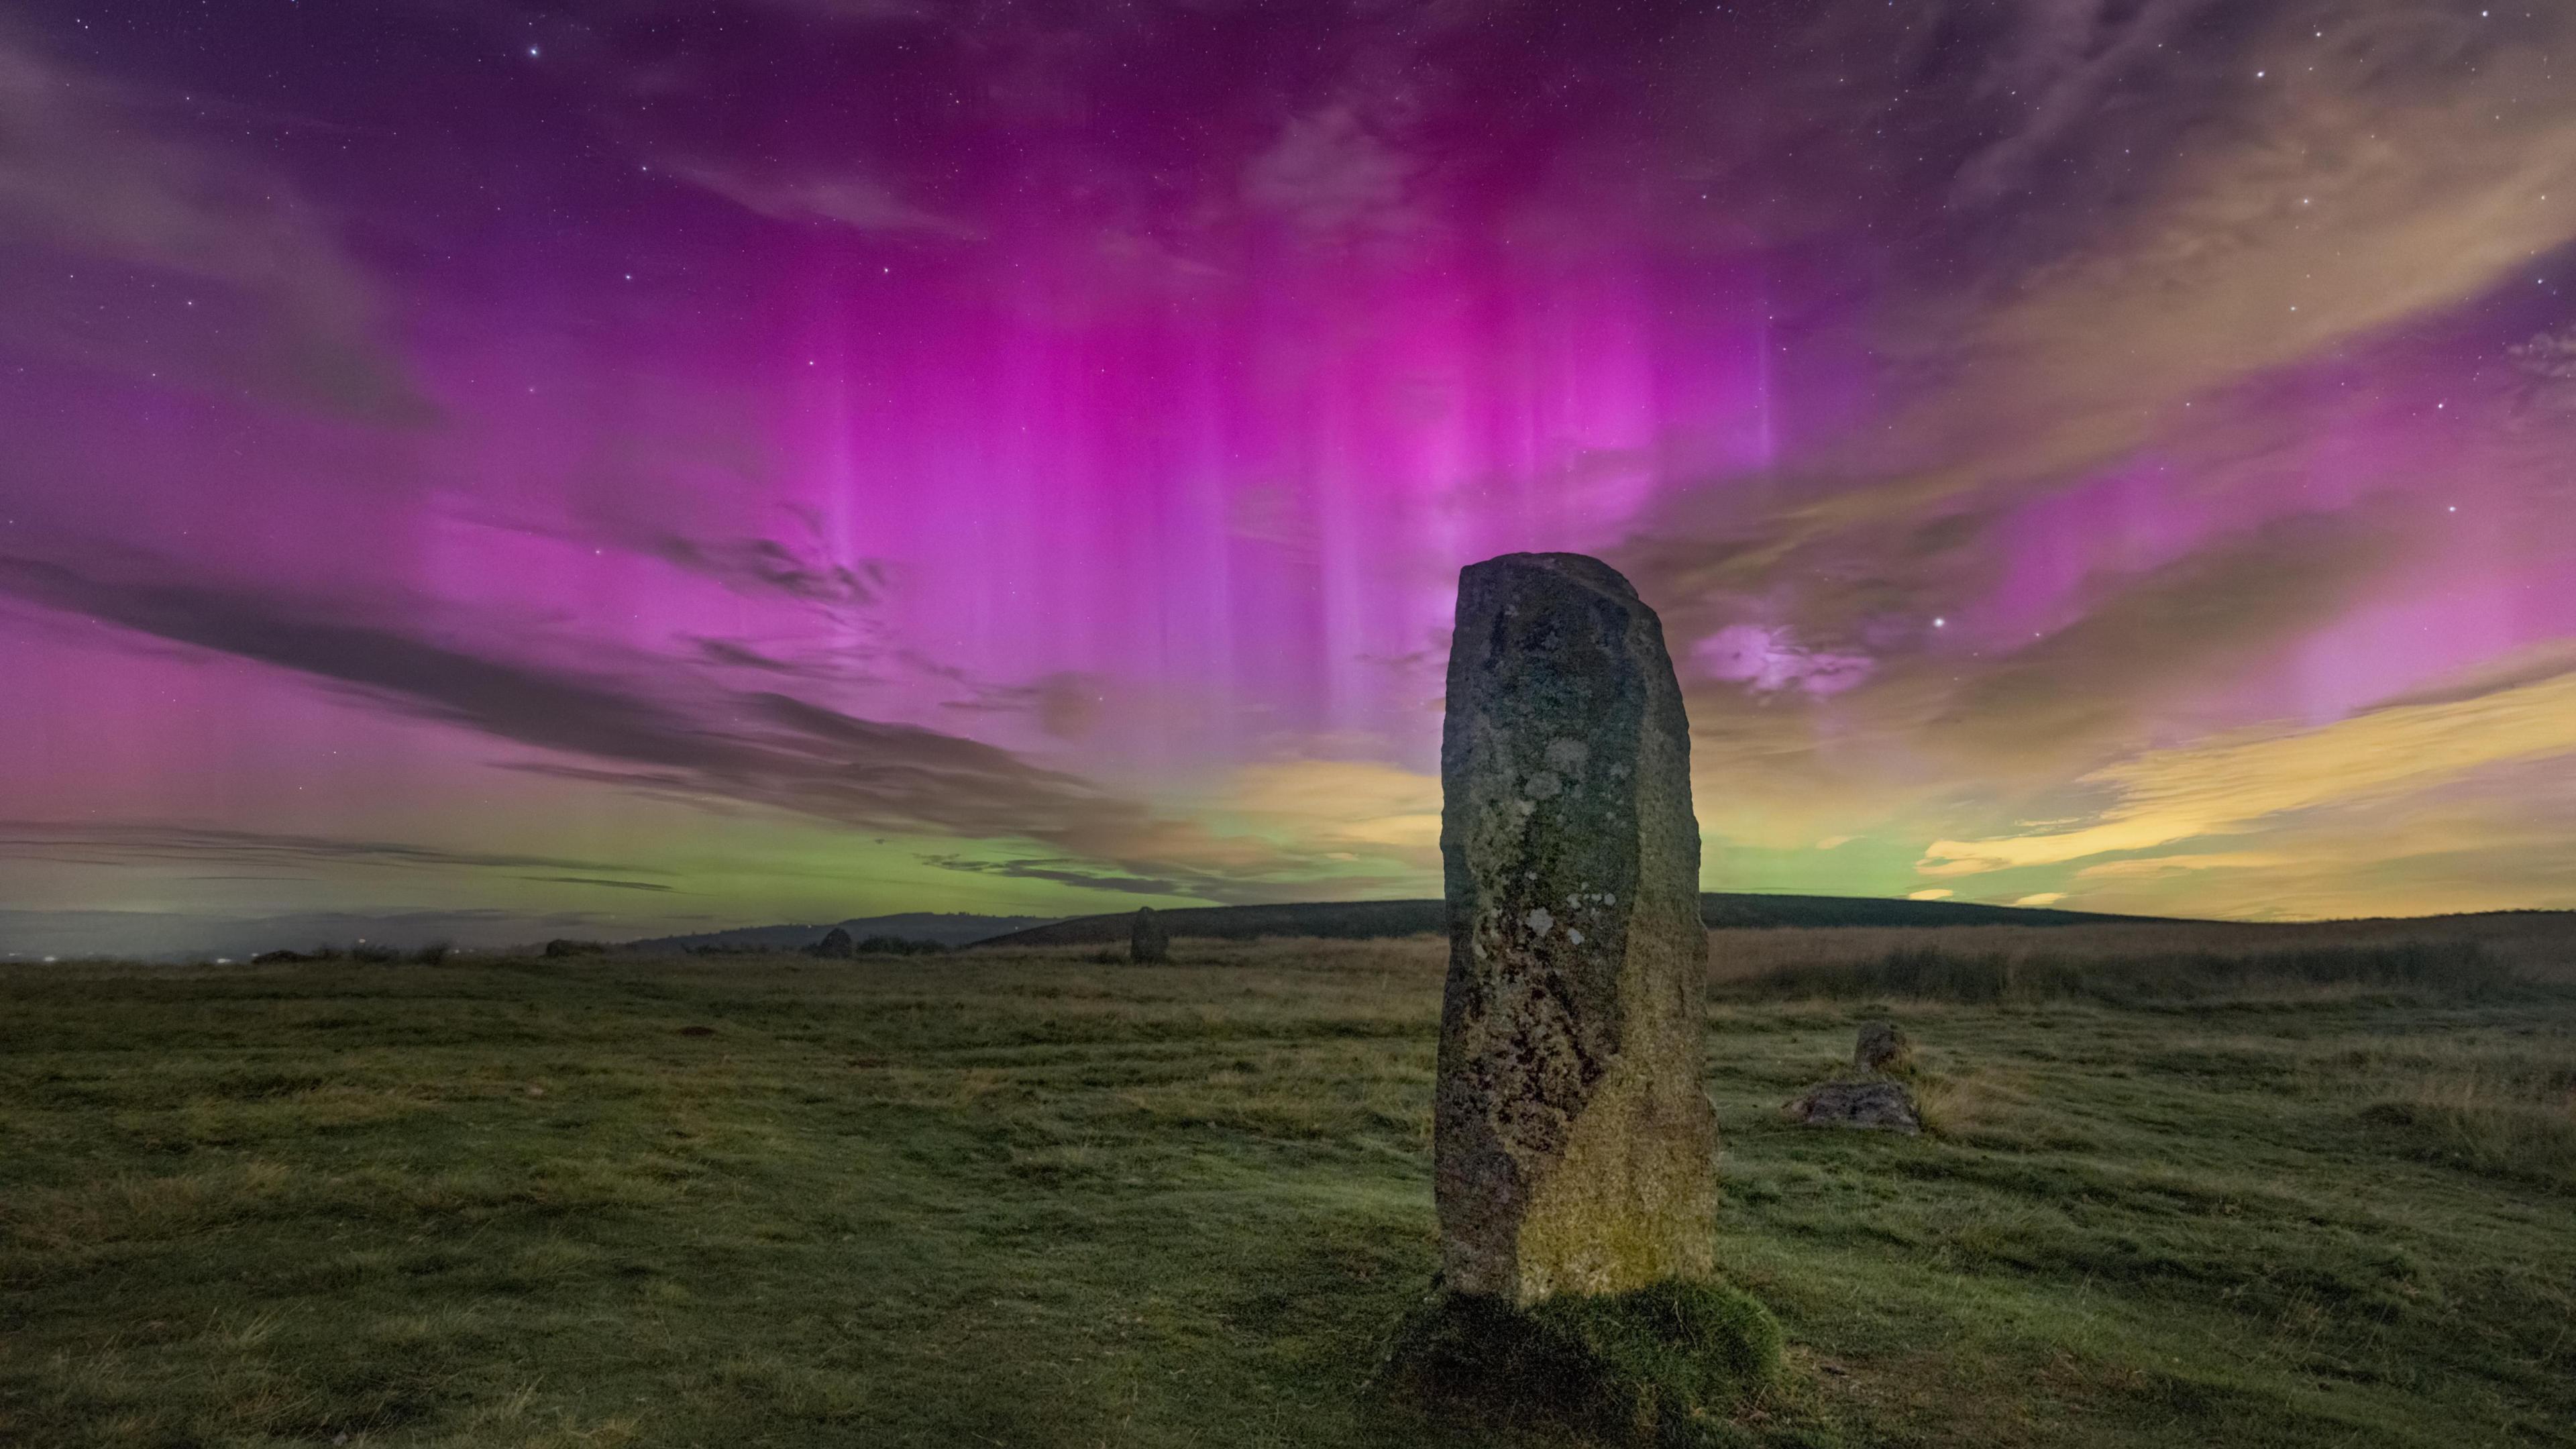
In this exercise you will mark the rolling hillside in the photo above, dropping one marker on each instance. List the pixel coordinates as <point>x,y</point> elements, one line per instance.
<point>949,928</point>
<point>1356,920</point>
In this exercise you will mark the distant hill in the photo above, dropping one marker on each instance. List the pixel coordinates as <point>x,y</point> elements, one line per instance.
<point>1731,909</point>
<point>949,928</point>
<point>1358,920</point>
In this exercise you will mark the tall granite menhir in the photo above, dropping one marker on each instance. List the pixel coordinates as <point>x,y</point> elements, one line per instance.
<point>1575,1149</point>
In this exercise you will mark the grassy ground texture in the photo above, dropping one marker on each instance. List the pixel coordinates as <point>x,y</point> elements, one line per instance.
<point>1034,1199</point>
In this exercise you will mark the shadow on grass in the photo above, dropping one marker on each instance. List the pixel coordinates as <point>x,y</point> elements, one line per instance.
<point>1673,1366</point>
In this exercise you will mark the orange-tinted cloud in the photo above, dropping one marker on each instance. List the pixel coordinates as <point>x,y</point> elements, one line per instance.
<point>2231,784</point>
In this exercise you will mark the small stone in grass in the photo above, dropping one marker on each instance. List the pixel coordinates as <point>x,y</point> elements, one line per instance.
<point>1147,942</point>
<point>1882,1048</point>
<point>1882,1105</point>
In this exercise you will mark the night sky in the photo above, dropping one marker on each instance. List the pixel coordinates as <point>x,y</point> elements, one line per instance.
<point>613,467</point>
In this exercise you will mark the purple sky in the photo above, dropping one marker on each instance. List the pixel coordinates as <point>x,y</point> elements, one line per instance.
<point>620,467</point>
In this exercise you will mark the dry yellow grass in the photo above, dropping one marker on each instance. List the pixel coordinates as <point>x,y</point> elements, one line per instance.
<point>2538,945</point>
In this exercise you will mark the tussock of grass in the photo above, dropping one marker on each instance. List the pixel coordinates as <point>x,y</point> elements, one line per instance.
<point>2488,1125</point>
<point>1983,1107</point>
<point>1668,1366</point>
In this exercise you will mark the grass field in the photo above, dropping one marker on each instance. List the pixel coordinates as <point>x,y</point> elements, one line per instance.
<point>1033,1199</point>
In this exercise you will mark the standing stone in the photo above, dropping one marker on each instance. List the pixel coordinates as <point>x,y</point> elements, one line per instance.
<point>836,945</point>
<point>1882,1048</point>
<point>1575,1151</point>
<point>1880,1105</point>
<point>1146,940</point>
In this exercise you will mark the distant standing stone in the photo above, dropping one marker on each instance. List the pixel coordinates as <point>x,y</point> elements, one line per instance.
<point>1146,940</point>
<point>836,945</point>
<point>1882,1048</point>
<point>1574,1149</point>
<point>1882,1105</point>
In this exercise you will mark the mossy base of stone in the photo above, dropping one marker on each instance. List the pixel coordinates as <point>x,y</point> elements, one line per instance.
<point>1667,1366</point>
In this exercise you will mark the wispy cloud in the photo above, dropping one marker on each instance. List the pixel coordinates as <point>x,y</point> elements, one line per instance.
<point>742,656</point>
<point>75,842</point>
<point>2197,330</point>
<point>2402,167</point>
<point>1769,659</point>
<point>1067,705</point>
<point>1349,807</point>
<point>849,199</point>
<point>87,173</point>
<point>758,747</point>
<point>2196,619</point>
<point>2493,839</point>
<point>766,565</point>
<point>2231,784</point>
<point>2057,63</point>
<point>1060,870</point>
<point>584,880</point>
<point>1334,179</point>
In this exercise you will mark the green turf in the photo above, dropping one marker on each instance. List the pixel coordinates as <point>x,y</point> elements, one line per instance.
<point>1675,1365</point>
<point>1035,1200</point>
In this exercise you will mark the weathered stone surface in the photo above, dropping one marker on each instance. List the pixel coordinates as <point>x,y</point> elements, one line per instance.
<point>835,945</point>
<point>1575,1151</point>
<point>1882,1048</point>
<point>1146,940</point>
<point>1881,1105</point>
